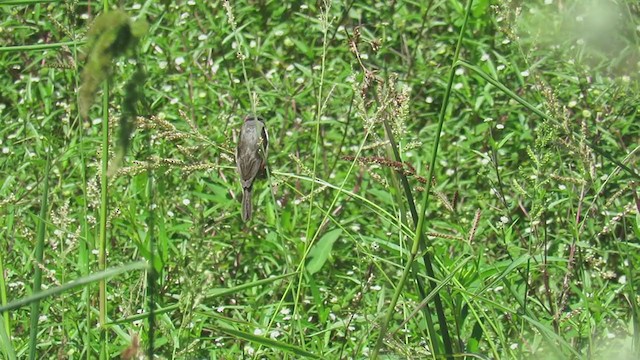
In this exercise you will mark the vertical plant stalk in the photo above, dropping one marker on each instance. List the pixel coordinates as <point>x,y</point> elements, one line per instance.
<point>102,246</point>
<point>414,216</point>
<point>5,344</point>
<point>152,275</point>
<point>418,241</point>
<point>319,107</point>
<point>37,277</point>
<point>104,182</point>
<point>3,285</point>
<point>324,20</point>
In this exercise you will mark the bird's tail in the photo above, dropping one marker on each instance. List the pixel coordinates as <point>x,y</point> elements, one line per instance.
<point>247,207</point>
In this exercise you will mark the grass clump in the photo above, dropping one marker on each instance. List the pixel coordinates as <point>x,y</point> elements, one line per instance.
<point>445,180</point>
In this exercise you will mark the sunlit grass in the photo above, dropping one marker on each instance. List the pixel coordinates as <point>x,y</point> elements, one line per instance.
<point>521,153</point>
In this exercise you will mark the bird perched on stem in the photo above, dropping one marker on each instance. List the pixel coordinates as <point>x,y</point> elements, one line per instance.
<point>251,158</point>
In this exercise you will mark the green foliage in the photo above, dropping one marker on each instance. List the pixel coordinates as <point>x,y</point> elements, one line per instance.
<point>531,227</point>
<point>321,250</point>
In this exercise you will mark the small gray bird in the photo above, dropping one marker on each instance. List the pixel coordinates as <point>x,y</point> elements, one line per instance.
<point>251,158</point>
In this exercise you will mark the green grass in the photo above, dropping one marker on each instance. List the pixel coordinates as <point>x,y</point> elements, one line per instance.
<point>524,119</point>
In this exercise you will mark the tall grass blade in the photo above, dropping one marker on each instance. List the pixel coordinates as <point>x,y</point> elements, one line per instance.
<point>269,343</point>
<point>86,280</point>
<point>104,206</point>
<point>37,277</point>
<point>418,242</point>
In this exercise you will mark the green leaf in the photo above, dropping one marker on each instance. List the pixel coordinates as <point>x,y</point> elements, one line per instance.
<point>267,342</point>
<point>321,251</point>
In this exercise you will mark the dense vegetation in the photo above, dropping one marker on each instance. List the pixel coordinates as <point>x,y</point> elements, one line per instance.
<point>443,179</point>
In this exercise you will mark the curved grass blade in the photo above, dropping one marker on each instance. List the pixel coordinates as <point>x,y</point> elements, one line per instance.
<point>139,265</point>
<point>269,343</point>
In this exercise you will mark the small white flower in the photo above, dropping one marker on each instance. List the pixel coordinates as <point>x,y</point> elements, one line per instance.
<point>524,73</point>
<point>500,126</point>
<point>258,332</point>
<point>429,100</point>
<point>203,37</point>
<point>179,61</point>
<point>186,202</point>
<point>504,219</point>
<point>249,350</point>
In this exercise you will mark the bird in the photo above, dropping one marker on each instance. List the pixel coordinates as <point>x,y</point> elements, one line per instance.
<point>251,158</point>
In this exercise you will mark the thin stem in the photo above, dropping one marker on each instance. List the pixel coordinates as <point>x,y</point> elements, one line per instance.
<point>35,47</point>
<point>104,206</point>
<point>37,281</point>
<point>419,235</point>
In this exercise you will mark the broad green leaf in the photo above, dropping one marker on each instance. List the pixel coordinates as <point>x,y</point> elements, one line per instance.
<point>321,251</point>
